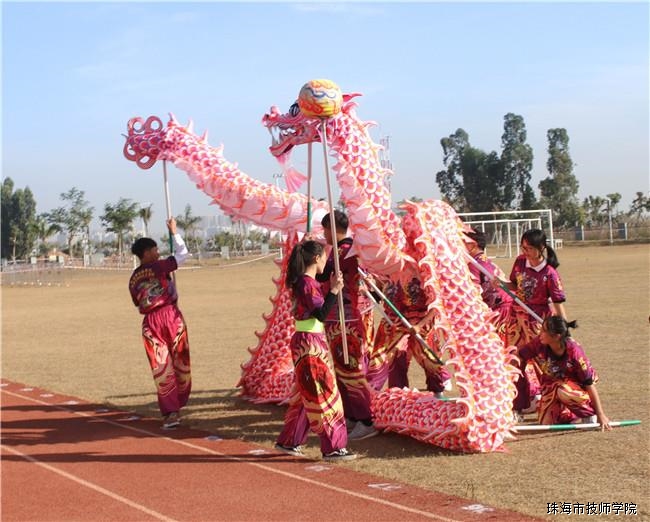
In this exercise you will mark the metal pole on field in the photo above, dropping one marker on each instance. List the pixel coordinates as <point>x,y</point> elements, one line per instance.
<point>335,253</point>
<point>609,216</point>
<point>531,428</point>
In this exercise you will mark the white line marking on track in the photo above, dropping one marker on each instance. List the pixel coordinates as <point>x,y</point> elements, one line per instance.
<point>264,467</point>
<point>90,485</point>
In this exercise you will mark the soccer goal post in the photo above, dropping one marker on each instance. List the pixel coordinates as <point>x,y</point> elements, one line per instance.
<point>503,229</point>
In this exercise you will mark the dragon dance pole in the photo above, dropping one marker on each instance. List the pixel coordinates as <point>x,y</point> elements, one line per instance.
<point>503,286</point>
<point>378,306</point>
<point>169,213</point>
<point>309,188</point>
<point>335,251</point>
<point>404,320</point>
<point>531,428</point>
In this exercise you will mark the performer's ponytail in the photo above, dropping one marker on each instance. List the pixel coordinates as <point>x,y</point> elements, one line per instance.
<point>558,325</point>
<point>302,256</point>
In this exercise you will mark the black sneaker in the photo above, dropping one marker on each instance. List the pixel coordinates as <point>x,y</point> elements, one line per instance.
<point>295,451</point>
<point>341,454</point>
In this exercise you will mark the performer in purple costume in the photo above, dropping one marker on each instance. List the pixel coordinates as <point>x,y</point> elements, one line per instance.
<point>164,331</point>
<point>567,378</point>
<point>351,377</point>
<point>494,296</point>
<point>315,400</point>
<point>536,282</point>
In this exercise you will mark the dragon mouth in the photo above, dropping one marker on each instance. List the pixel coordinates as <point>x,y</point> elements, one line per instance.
<point>289,129</point>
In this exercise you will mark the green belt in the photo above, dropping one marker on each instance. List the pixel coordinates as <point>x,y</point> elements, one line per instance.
<point>311,325</point>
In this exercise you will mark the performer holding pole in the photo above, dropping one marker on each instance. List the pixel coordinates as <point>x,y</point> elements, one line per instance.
<point>403,319</point>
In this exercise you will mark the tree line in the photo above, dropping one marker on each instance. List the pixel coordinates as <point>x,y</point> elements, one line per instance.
<point>26,233</point>
<point>476,181</point>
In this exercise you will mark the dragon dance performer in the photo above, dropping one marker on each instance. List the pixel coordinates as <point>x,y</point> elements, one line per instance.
<point>359,329</point>
<point>315,400</point>
<point>495,297</point>
<point>164,331</point>
<point>536,282</point>
<point>395,344</point>
<point>567,378</point>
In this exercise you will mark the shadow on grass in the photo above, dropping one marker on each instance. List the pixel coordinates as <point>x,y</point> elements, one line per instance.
<point>224,412</point>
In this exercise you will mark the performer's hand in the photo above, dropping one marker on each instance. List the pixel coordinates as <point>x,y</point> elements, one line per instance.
<point>604,423</point>
<point>336,282</point>
<point>171,225</point>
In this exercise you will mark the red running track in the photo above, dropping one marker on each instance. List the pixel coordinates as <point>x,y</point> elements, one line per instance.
<point>64,459</point>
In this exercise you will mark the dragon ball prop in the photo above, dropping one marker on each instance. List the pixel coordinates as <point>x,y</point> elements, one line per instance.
<point>320,99</point>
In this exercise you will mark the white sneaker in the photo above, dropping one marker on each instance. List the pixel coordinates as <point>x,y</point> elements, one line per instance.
<point>361,431</point>
<point>294,451</point>
<point>592,419</point>
<point>172,421</point>
<point>533,405</point>
<point>342,454</point>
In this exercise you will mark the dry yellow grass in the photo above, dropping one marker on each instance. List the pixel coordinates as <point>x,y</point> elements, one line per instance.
<point>84,339</point>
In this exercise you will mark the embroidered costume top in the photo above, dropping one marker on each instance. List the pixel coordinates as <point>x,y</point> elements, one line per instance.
<point>535,285</point>
<point>493,297</point>
<point>151,285</point>
<point>354,301</point>
<point>572,365</point>
<point>308,300</point>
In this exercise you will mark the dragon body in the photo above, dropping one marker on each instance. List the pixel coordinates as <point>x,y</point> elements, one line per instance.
<point>427,241</point>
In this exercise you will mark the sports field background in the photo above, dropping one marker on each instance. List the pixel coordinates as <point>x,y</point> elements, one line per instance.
<point>83,338</point>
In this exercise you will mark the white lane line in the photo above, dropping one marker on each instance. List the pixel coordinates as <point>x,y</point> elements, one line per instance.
<point>90,485</point>
<point>264,467</point>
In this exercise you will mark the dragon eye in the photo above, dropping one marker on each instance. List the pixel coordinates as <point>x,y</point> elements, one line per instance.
<point>294,110</point>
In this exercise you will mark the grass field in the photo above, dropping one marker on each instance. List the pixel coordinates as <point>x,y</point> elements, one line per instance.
<point>83,338</point>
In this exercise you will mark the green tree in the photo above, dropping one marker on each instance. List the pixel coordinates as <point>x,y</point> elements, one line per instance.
<point>118,218</point>
<point>560,189</point>
<point>145,214</point>
<point>594,211</point>
<point>450,180</point>
<point>73,217</point>
<point>189,224</point>
<point>614,200</point>
<point>517,160</point>
<point>640,205</point>
<point>473,180</point>
<point>44,231</point>
<point>18,219</point>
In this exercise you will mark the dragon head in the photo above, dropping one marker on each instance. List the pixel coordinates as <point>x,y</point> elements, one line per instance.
<point>294,128</point>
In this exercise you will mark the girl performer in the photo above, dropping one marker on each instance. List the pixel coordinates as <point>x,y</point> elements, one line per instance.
<point>537,283</point>
<point>315,400</point>
<point>566,376</point>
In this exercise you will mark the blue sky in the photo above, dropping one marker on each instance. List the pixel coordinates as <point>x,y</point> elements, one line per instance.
<point>74,73</point>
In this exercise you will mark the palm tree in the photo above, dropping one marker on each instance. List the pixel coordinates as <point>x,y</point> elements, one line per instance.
<point>43,230</point>
<point>189,223</point>
<point>145,215</point>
